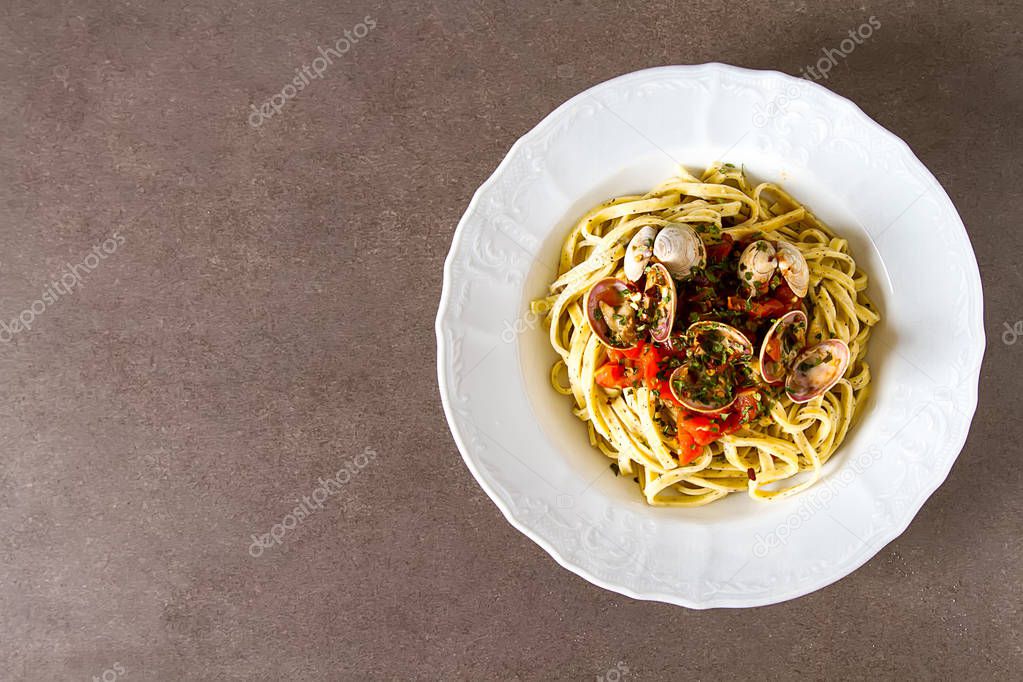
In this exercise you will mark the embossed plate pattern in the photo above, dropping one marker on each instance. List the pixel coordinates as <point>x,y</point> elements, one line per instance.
<point>531,456</point>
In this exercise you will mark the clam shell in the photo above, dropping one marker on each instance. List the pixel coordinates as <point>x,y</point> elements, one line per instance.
<point>789,331</point>
<point>639,252</point>
<point>663,308</point>
<point>757,265</point>
<point>793,267</point>
<point>682,385</point>
<point>734,340</point>
<point>680,249</point>
<point>611,292</point>
<point>816,370</point>
<point>703,337</point>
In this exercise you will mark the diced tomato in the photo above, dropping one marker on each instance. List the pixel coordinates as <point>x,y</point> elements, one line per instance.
<point>784,294</point>
<point>694,422</point>
<point>718,252</point>
<point>655,369</point>
<point>649,366</point>
<point>708,436</point>
<point>622,356</point>
<point>781,301</point>
<point>746,406</point>
<point>641,364</point>
<point>773,349</point>
<point>688,449</point>
<point>703,430</point>
<point>634,353</point>
<point>745,409</point>
<point>664,390</point>
<point>702,294</point>
<point>771,307</point>
<point>612,375</point>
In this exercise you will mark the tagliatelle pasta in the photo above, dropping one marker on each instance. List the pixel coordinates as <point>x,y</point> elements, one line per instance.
<point>712,337</point>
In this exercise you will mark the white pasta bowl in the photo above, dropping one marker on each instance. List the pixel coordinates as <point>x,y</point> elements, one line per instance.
<point>532,456</point>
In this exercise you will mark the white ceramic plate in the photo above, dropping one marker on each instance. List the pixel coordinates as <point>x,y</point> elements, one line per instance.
<point>530,454</point>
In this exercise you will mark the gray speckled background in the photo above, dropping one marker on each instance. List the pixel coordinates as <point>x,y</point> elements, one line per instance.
<point>246,339</point>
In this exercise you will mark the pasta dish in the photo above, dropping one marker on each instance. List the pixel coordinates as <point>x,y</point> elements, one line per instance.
<point>712,337</point>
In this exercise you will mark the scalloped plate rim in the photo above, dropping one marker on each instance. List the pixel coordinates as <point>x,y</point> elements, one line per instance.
<point>838,571</point>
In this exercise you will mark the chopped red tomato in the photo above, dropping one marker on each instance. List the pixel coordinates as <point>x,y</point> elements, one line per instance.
<point>694,422</point>
<point>656,369</point>
<point>784,294</point>
<point>702,295</point>
<point>718,252</point>
<point>649,365</point>
<point>768,307</point>
<point>745,409</point>
<point>703,430</point>
<point>688,449</point>
<point>664,391</point>
<point>632,353</point>
<point>736,303</point>
<point>771,307</point>
<point>612,375</point>
<point>627,367</point>
<point>709,436</point>
<point>780,301</point>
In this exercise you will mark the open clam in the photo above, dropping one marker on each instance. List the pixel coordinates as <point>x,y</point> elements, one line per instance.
<point>701,390</point>
<point>720,341</point>
<point>782,343</point>
<point>816,370</point>
<point>761,259</point>
<point>611,314</point>
<point>659,299</point>
<point>707,382</point>
<point>639,252</point>
<point>757,266</point>
<point>680,249</point>
<point>792,266</point>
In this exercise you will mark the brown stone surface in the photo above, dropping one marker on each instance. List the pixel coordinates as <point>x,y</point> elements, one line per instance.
<point>269,316</point>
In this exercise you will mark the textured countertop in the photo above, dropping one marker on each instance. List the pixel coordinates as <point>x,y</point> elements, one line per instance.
<point>210,304</point>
